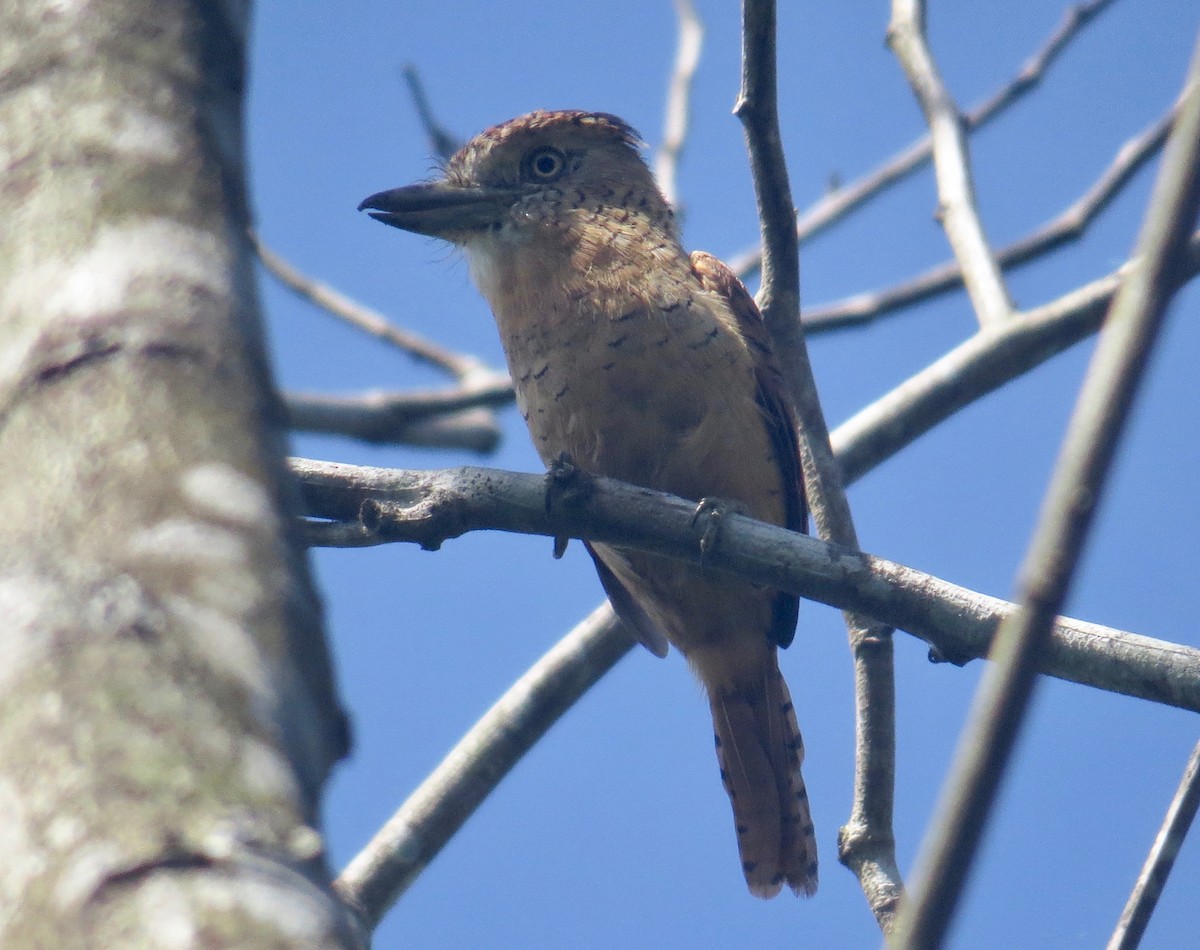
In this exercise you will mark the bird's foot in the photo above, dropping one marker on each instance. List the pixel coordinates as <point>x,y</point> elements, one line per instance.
<point>566,484</point>
<point>713,512</point>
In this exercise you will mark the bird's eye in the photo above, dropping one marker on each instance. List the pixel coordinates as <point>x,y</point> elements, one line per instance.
<point>545,164</point>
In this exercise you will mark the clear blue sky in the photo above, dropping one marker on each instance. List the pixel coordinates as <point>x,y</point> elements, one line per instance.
<point>615,831</point>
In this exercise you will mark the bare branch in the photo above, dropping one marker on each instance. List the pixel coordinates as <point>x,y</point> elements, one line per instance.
<point>1074,19</point>
<point>411,418</point>
<point>475,430</point>
<point>1068,226</point>
<point>429,507</point>
<point>952,163</point>
<point>758,109</point>
<point>412,837</point>
<point>835,205</point>
<point>977,367</point>
<point>389,417</point>
<point>453,418</point>
<point>679,101</point>
<point>1153,878</point>
<point>779,296</point>
<point>866,842</point>
<point>443,142</point>
<point>338,534</point>
<point>462,366</point>
<point>1130,330</point>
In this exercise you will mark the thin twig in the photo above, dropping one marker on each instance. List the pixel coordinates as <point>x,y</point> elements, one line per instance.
<point>758,109</point>
<point>952,164</point>
<point>402,848</point>
<point>977,367</point>
<point>865,843</point>
<point>454,419</point>
<point>835,205</point>
<point>1068,226</point>
<point>462,366</point>
<point>1104,403</point>
<point>443,142</point>
<point>677,113</point>
<point>429,507</point>
<point>413,405</point>
<point>1153,878</point>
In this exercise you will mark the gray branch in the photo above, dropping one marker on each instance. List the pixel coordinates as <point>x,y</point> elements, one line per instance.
<point>443,142</point>
<point>414,835</point>
<point>866,842</point>
<point>451,418</point>
<point>952,164</point>
<point>430,507</point>
<point>677,113</point>
<point>462,366</point>
<point>1153,877</point>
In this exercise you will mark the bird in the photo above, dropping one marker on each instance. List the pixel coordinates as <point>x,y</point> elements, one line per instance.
<point>640,362</point>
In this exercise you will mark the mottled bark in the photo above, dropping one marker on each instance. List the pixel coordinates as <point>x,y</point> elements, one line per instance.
<point>167,712</point>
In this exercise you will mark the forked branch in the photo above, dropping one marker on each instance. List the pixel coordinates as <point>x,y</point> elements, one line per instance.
<point>838,204</point>
<point>865,843</point>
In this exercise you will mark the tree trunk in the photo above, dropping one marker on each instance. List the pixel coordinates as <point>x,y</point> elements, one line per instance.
<point>167,711</point>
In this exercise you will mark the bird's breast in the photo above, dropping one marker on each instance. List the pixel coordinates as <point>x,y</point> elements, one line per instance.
<point>662,397</point>
<point>642,378</point>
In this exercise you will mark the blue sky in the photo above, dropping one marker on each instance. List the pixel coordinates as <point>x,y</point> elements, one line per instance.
<point>615,830</point>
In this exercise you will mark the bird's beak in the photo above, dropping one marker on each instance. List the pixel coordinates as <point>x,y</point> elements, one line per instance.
<point>439,209</point>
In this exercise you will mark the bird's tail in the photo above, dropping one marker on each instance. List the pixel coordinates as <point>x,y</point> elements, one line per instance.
<point>760,750</point>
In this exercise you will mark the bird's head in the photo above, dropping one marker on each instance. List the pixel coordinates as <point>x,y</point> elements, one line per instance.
<point>544,169</point>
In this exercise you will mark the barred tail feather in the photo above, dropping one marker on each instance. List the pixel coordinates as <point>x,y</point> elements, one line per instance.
<point>760,750</point>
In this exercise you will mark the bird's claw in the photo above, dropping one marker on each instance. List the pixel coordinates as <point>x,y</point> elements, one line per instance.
<point>566,483</point>
<point>713,511</point>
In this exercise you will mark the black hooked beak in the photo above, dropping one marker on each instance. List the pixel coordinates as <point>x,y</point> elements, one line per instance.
<point>439,208</point>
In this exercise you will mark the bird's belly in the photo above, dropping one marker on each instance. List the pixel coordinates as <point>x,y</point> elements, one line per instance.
<point>673,411</point>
